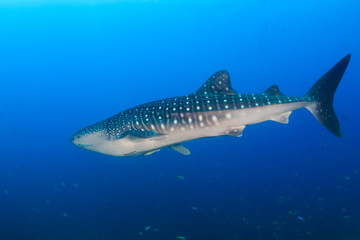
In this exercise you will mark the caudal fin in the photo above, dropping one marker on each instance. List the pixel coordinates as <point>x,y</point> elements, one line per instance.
<point>323,93</point>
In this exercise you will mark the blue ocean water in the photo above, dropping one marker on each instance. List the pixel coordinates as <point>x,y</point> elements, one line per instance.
<point>67,64</point>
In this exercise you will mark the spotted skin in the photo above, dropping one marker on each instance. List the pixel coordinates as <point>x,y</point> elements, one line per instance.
<point>215,109</point>
<point>188,112</point>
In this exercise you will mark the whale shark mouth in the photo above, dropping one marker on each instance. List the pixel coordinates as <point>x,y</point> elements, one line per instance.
<point>84,145</point>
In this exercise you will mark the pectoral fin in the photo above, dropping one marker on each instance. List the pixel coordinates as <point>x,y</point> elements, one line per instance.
<point>139,134</point>
<point>180,149</point>
<point>142,134</point>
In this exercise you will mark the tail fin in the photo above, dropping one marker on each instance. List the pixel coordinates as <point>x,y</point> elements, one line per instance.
<point>323,93</point>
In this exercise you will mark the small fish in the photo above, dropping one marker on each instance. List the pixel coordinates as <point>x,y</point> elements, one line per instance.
<point>347,178</point>
<point>181,178</point>
<point>62,183</point>
<point>292,212</point>
<point>75,185</point>
<point>6,192</point>
<point>344,116</point>
<point>35,210</point>
<point>155,230</point>
<point>147,228</point>
<point>140,233</point>
<point>181,237</point>
<point>194,208</point>
<point>65,214</point>
<point>301,219</point>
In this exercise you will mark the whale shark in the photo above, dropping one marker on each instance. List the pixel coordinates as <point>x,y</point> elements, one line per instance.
<point>215,109</point>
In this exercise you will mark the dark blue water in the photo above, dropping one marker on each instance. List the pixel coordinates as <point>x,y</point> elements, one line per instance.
<point>66,65</point>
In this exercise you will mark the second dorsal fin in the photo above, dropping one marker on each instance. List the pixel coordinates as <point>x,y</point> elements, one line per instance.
<point>218,83</point>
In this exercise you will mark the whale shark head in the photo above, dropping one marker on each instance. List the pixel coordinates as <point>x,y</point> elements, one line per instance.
<point>90,137</point>
<point>107,137</point>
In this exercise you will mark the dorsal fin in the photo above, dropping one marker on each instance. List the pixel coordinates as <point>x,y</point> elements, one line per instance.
<point>274,91</point>
<point>218,83</point>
